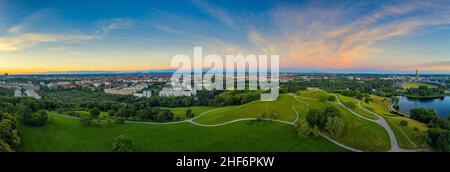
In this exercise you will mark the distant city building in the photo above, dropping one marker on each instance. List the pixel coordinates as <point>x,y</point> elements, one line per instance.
<point>17,93</point>
<point>145,93</point>
<point>32,93</point>
<point>175,92</point>
<point>120,91</point>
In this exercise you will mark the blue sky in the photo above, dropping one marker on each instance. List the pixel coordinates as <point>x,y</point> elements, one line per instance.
<point>384,36</point>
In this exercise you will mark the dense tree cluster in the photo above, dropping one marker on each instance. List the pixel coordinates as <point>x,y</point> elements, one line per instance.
<point>10,109</point>
<point>426,91</point>
<point>438,135</point>
<point>9,132</point>
<point>319,118</point>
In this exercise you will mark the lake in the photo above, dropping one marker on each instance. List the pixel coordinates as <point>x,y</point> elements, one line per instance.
<point>441,105</point>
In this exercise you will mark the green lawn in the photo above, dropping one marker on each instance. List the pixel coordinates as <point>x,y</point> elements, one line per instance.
<point>414,85</point>
<point>181,112</point>
<point>358,133</point>
<point>407,136</point>
<point>65,134</point>
<point>357,109</point>
<point>280,109</point>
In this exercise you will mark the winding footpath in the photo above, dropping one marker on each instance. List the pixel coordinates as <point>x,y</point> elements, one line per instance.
<point>381,121</point>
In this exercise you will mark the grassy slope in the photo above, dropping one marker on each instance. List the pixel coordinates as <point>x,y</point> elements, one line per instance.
<point>181,112</point>
<point>407,137</point>
<point>357,109</point>
<point>280,109</point>
<point>358,133</point>
<point>65,134</point>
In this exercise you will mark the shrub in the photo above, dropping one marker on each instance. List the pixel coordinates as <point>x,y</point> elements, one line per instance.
<point>35,119</point>
<point>86,120</point>
<point>404,123</point>
<point>123,144</point>
<point>331,98</point>
<point>335,126</point>
<point>303,129</point>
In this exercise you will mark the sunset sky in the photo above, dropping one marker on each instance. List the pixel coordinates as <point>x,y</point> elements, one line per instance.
<point>335,36</point>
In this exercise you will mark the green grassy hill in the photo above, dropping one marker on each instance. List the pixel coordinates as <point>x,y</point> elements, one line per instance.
<point>65,134</point>
<point>408,137</point>
<point>358,133</point>
<point>282,109</point>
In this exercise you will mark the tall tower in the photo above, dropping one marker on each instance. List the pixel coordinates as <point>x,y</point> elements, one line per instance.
<point>417,73</point>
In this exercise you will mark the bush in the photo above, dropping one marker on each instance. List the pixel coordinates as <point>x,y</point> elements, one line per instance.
<point>350,105</point>
<point>303,129</point>
<point>331,98</point>
<point>94,113</point>
<point>86,120</point>
<point>123,144</point>
<point>35,119</point>
<point>189,113</point>
<point>404,123</point>
<point>335,126</point>
<point>443,142</point>
<point>4,147</point>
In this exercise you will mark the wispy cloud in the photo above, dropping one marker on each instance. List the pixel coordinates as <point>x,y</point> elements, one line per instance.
<point>15,29</point>
<point>216,12</point>
<point>64,49</point>
<point>322,37</point>
<point>106,26</point>
<point>17,42</point>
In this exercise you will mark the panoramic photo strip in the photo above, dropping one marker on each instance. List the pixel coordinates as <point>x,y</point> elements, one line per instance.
<point>201,84</point>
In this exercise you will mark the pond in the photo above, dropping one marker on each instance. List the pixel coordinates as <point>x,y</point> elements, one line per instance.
<point>441,105</point>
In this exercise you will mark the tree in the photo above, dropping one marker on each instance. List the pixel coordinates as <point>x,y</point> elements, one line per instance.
<point>164,115</point>
<point>443,142</point>
<point>9,132</point>
<point>315,117</point>
<point>4,147</point>
<point>335,126</point>
<point>123,144</point>
<point>95,112</point>
<point>303,129</point>
<point>33,119</point>
<point>332,112</point>
<point>189,113</point>
<point>86,120</point>
<point>423,115</point>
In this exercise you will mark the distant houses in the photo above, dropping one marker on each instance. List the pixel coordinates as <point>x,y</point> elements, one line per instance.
<point>175,92</point>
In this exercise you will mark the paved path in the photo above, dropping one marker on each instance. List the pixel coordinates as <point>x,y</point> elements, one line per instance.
<point>380,121</point>
<point>391,108</point>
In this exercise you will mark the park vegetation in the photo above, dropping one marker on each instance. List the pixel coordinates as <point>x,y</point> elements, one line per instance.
<point>438,135</point>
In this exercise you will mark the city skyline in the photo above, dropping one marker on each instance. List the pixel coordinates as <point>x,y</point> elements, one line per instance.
<point>344,36</point>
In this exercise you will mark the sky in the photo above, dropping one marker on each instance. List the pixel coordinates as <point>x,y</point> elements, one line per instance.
<point>336,36</point>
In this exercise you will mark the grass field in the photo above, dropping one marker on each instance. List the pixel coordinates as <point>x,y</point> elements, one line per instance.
<point>358,133</point>
<point>65,134</point>
<point>181,112</point>
<point>357,109</point>
<point>409,85</point>
<point>280,110</point>
<point>407,136</point>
